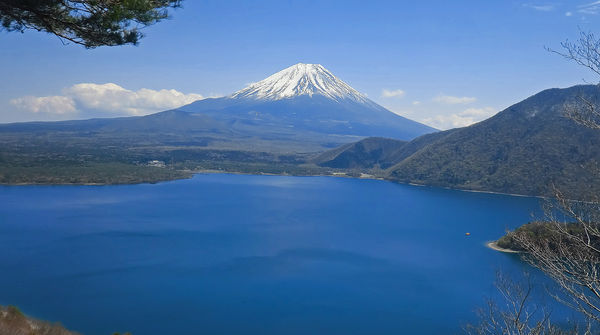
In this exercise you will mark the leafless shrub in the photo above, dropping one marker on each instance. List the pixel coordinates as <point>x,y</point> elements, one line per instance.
<point>516,314</point>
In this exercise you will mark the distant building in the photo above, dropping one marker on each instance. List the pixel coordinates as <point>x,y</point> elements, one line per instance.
<point>156,163</point>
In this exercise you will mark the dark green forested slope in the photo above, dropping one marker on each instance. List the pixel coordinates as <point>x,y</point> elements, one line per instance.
<point>529,148</point>
<point>374,152</point>
<point>524,149</point>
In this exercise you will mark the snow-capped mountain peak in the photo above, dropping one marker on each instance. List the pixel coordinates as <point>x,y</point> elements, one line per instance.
<point>297,80</point>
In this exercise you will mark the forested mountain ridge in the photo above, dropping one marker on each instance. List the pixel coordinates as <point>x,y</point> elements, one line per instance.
<point>529,148</point>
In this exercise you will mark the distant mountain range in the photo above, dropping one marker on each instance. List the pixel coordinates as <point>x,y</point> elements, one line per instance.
<point>302,108</point>
<point>529,148</point>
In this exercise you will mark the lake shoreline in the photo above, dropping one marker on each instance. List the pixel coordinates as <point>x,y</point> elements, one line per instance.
<point>494,246</point>
<point>192,173</point>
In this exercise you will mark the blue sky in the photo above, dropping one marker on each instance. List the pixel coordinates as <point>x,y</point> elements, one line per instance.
<point>444,63</point>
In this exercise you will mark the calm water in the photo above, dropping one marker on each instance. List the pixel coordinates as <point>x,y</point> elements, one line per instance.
<point>231,254</point>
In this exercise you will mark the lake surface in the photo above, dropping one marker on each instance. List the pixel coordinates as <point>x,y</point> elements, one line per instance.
<point>236,254</point>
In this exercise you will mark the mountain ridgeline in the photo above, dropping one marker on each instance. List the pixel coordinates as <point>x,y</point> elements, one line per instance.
<point>530,148</point>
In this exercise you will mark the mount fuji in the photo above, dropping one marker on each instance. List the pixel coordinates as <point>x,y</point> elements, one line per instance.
<point>301,79</point>
<point>306,99</point>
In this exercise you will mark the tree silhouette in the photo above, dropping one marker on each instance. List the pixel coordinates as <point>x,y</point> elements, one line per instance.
<point>91,23</point>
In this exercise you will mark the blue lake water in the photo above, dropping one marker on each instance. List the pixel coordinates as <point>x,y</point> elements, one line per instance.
<point>236,254</point>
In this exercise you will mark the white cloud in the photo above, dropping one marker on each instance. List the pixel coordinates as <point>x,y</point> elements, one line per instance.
<point>569,14</point>
<point>478,113</point>
<point>115,99</point>
<point>107,98</point>
<point>591,8</point>
<point>416,103</point>
<point>540,7</point>
<point>50,105</point>
<point>462,119</point>
<point>392,93</point>
<point>450,100</point>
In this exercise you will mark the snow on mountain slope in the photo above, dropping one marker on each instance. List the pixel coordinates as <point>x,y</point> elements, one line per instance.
<point>305,99</point>
<point>301,79</point>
